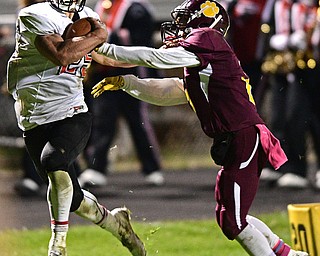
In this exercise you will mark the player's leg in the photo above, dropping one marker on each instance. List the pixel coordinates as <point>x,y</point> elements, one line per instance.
<point>59,197</point>
<point>63,194</point>
<point>67,139</point>
<point>278,246</point>
<point>35,140</point>
<point>250,238</point>
<point>116,222</point>
<point>236,188</point>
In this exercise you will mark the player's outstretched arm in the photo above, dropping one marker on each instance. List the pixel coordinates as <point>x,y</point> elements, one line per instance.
<point>161,92</point>
<point>162,58</point>
<point>104,60</point>
<point>63,52</point>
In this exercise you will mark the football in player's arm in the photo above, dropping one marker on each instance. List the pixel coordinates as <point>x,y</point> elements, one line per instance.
<point>45,76</point>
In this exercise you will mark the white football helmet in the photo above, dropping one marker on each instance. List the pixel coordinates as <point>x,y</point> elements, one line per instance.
<point>68,5</point>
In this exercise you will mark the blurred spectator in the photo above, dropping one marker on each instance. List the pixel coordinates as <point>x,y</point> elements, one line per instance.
<point>30,183</point>
<point>25,3</point>
<point>294,86</point>
<point>306,37</point>
<point>6,49</point>
<point>245,18</point>
<point>130,22</point>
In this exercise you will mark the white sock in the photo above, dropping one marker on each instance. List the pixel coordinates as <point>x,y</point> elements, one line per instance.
<point>276,244</point>
<point>90,209</point>
<point>264,229</point>
<point>59,198</point>
<point>60,192</point>
<point>254,242</point>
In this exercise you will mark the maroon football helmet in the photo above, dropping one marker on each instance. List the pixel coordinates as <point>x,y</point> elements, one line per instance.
<point>195,14</point>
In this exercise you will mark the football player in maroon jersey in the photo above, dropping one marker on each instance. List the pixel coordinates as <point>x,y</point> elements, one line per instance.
<point>218,90</point>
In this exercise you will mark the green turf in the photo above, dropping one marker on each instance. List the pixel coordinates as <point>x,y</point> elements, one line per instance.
<point>180,238</point>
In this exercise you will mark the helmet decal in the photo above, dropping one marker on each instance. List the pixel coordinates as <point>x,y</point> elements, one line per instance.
<point>209,9</point>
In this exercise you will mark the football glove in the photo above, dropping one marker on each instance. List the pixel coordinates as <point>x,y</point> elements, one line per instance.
<point>112,83</point>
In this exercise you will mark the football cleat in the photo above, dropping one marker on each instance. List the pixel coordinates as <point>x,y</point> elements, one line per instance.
<point>57,251</point>
<point>297,253</point>
<point>57,245</point>
<point>123,231</point>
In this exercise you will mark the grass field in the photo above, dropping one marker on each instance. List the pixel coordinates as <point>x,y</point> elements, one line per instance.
<point>181,238</point>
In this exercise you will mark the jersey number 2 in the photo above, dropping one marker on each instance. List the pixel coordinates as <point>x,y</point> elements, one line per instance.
<point>78,68</point>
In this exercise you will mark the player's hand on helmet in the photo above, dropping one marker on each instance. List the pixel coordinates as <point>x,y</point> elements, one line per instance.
<point>171,43</point>
<point>112,83</point>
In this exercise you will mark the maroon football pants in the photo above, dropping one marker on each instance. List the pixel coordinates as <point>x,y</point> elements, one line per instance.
<point>237,181</point>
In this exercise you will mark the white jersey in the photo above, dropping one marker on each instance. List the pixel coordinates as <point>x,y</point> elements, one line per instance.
<point>44,92</point>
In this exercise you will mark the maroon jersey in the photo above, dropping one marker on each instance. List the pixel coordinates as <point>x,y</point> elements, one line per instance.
<point>226,104</point>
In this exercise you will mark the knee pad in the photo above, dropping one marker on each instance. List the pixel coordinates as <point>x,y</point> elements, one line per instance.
<point>53,159</point>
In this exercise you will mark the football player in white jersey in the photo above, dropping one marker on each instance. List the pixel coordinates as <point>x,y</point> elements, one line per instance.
<point>45,76</point>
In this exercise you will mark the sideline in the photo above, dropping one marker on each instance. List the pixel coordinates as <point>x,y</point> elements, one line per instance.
<point>187,194</point>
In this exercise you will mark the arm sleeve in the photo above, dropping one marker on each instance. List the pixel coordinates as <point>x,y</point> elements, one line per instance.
<point>176,57</point>
<point>161,92</point>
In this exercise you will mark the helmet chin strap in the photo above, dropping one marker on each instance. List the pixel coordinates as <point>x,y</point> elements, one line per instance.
<point>216,21</point>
